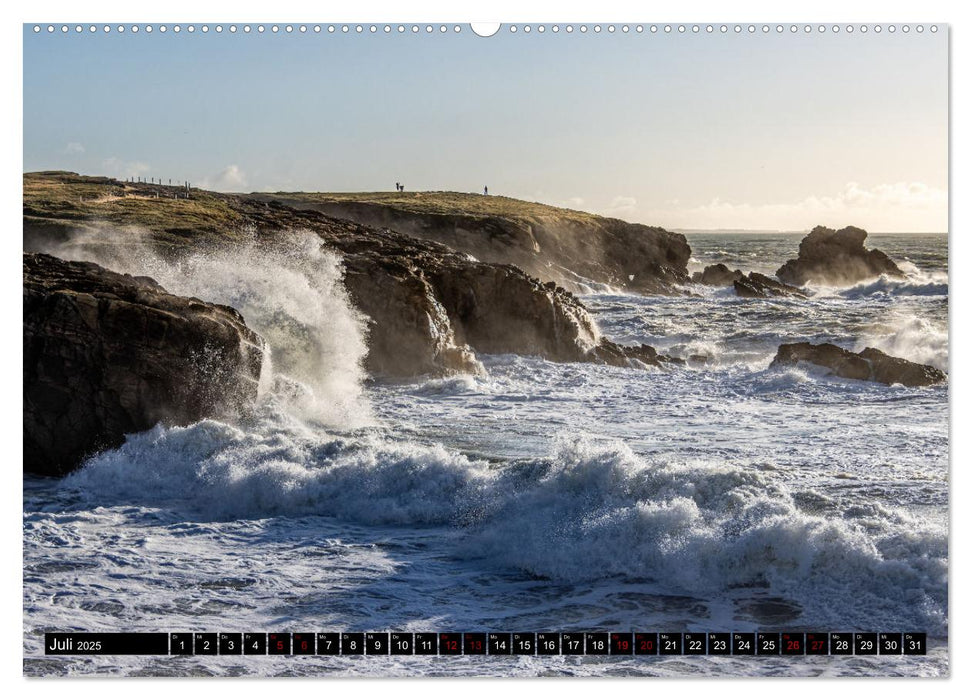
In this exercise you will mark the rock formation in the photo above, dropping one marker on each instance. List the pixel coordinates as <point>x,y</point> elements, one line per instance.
<point>549,243</point>
<point>108,354</point>
<point>430,308</point>
<point>717,275</point>
<point>759,286</point>
<point>836,258</point>
<point>869,365</point>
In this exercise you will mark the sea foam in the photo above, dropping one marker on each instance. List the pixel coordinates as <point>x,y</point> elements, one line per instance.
<point>591,510</point>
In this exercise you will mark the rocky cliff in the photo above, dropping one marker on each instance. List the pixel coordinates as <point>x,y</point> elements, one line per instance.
<point>108,354</point>
<point>430,308</point>
<point>552,244</point>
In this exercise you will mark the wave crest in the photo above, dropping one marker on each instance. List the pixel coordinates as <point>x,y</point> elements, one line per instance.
<point>591,510</point>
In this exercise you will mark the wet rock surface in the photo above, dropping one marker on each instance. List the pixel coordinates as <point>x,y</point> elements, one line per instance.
<point>758,286</point>
<point>107,354</point>
<point>869,365</point>
<point>831,257</point>
<point>717,275</point>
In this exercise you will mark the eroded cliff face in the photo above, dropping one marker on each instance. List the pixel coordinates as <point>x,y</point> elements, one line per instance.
<point>567,248</point>
<point>107,354</point>
<point>409,331</point>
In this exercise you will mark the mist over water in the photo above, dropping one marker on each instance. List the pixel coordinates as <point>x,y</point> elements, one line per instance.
<point>720,495</point>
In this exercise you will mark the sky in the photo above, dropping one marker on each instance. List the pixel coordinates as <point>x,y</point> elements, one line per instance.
<point>686,131</point>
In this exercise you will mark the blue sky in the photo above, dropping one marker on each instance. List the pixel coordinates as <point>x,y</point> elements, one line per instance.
<point>685,131</point>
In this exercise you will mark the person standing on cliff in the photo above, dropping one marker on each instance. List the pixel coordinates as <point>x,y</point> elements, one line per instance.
<point>397,187</point>
<point>485,190</point>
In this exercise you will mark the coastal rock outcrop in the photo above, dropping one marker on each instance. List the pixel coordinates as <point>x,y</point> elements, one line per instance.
<point>758,286</point>
<point>717,275</point>
<point>429,308</point>
<point>499,309</point>
<point>831,257</point>
<point>611,353</point>
<point>107,354</point>
<point>869,365</point>
<point>567,247</point>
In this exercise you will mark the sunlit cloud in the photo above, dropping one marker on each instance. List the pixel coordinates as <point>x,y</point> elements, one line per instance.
<point>116,167</point>
<point>901,206</point>
<point>229,179</point>
<point>621,207</point>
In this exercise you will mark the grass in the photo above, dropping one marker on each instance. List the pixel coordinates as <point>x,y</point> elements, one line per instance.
<point>62,197</point>
<point>445,203</point>
<point>68,196</point>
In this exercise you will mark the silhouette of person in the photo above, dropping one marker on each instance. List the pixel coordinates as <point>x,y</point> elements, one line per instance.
<point>397,186</point>
<point>485,190</point>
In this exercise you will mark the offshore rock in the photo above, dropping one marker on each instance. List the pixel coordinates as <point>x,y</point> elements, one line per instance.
<point>759,286</point>
<point>869,365</point>
<point>107,354</point>
<point>717,275</point>
<point>835,258</point>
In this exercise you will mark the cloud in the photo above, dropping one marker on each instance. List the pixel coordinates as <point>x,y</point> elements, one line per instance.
<point>229,179</point>
<point>621,206</point>
<point>116,167</point>
<point>74,148</point>
<point>910,207</point>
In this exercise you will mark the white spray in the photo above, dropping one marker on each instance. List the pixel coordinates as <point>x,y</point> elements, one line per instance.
<point>290,291</point>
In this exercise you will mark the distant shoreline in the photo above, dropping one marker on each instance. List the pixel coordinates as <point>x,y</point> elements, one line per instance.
<point>729,232</point>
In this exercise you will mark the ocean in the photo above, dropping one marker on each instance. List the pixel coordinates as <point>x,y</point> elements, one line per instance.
<point>722,495</point>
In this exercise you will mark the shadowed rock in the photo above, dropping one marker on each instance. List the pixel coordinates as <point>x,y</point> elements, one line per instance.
<point>759,286</point>
<point>108,354</point>
<point>834,258</point>
<point>717,275</point>
<point>549,243</point>
<point>609,352</point>
<point>869,365</point>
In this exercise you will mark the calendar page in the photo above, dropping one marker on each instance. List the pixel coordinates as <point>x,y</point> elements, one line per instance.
<point>395,349</point>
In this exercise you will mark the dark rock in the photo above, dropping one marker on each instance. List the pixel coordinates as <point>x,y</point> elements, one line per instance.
<point>717,275</point>
<point>499,309</point>
<point>108,354</point>
<point>759,286</point>
<point>410,332</point>
<point>894,370</point>
<point>611,353</point>
<point>834,257</point>
<point>546,242</point>
<point>869,365</point>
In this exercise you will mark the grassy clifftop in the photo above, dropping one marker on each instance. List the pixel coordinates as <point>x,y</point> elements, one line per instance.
<point>430,308</point>
<point>63,196</point>
<point>443,203</point>
<point>571,248</point>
